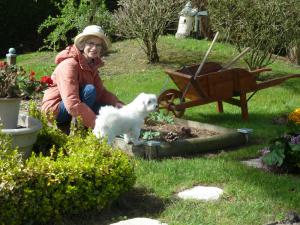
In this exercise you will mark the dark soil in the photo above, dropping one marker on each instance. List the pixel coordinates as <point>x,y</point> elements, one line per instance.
<point>173,132</point>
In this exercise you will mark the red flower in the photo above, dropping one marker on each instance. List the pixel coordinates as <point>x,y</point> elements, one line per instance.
<point>32,76</point>
<point>46,80</point>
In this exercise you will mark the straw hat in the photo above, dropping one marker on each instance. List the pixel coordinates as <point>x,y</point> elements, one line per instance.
<point>92,30</point>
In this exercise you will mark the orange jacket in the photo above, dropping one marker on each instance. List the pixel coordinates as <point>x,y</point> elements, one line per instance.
<point>71,73</point>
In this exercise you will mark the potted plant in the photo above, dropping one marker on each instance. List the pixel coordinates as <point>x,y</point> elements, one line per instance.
<point>15,84</point>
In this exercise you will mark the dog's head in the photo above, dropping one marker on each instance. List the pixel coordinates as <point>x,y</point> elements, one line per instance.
<point>146,102</point>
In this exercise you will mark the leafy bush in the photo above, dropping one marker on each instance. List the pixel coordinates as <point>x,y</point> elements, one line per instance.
<point>284,152</point>
<point>74,16</point>
<point>265,26</point>
<point>146,20</point>
<point>80,175</point>
<point>48,136</point>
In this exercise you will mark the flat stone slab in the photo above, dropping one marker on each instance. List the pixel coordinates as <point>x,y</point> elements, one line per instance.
<point>225,138</point>
<point>139,221</point>
<point>201,193</point>
<point>256,163</point>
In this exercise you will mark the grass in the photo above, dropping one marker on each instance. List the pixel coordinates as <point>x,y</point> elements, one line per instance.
<point>251,196</point>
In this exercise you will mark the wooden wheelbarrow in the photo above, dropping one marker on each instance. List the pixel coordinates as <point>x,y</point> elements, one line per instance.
<point>213,84</point>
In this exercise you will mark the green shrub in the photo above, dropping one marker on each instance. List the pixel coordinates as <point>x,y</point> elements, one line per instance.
<point>48,136</point>
<point>74,16</point>
<point>146,20</point>
<point>84,174</point>
<point>265,26</point>
<point>284,152</point>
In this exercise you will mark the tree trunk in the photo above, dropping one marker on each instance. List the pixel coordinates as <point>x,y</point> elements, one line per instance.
<point>294,53</point>
<point>151,51</point>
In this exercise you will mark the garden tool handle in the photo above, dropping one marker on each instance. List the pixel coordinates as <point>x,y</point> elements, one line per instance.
<point>199,68</point>
<point>235,59</point>
<point>206,55</point>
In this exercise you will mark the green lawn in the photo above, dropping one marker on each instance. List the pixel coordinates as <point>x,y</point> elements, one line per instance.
<point>251,196</point>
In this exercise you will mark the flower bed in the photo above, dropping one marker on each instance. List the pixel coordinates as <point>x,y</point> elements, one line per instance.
<point>213,138</point>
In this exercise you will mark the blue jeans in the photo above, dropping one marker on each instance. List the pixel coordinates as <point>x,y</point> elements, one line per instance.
<point>87,95</point>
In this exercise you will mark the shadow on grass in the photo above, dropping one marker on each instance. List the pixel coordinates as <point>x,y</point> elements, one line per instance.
<point>138,202</point>
<point>264,125</point>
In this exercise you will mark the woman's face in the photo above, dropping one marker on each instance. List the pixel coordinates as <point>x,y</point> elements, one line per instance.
<point>93,48</point>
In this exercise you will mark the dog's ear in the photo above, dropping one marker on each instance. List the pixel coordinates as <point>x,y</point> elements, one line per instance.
<point>142,104</point>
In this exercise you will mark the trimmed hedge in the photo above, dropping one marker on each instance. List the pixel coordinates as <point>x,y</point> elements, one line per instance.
<point>81,175</point>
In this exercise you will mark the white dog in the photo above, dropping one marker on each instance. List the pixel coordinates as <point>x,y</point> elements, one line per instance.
<point>126,121</point>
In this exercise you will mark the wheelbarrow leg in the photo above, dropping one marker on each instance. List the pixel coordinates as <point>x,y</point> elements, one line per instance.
<point>244,106</point>
<point>220,106</point>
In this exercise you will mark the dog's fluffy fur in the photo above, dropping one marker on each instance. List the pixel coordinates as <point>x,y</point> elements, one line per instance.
<point>126,121</point>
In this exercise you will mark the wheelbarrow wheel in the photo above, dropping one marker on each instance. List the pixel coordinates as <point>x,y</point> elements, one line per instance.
<point>168,101</point>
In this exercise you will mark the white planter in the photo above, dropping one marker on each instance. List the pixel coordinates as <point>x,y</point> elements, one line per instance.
<point>25,136</point>
<point>9,111</point>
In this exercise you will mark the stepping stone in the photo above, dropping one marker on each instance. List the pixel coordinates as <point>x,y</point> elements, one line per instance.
<point>139,221</point>
<point>256,163</point>
<point>201,193</point>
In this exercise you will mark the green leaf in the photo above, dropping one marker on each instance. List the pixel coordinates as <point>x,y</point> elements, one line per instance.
<point>274,157</point>
<point>295,147</point>
<point>148,135</point>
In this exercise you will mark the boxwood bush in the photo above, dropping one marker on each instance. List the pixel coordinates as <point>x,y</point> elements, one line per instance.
<point>83,174</point>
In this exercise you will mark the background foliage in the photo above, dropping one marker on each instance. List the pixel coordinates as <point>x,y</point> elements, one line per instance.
<point>19,21</point>
<point>268,27</point>
<point>72,19</point>
<point>146,20</point>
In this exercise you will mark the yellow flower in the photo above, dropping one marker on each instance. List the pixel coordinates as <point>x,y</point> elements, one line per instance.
<point>295,116</point>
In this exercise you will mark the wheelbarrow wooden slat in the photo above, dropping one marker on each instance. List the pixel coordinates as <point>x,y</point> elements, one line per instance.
<point>216,84</point>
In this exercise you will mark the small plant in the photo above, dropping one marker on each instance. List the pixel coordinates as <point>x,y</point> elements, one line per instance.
<point>160,117</point>
<point>284,152</point>
<point>16,82</point>
<point>149,135</point>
